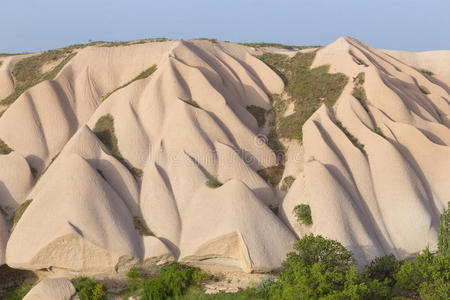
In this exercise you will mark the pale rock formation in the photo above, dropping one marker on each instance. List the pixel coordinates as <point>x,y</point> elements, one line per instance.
<point>186,125</point>
<point>52,289</point>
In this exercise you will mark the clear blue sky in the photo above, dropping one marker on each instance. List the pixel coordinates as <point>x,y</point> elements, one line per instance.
<point>415,25</point>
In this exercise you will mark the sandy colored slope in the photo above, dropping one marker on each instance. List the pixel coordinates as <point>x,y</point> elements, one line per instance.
<point>72,97</point>
<point>434,61</point>
<point>187,125</point>
<point>148,115</point>
<point>388,198</point>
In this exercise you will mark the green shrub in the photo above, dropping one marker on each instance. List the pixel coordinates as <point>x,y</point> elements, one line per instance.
<point>358,90</point>
<point>89,289</point>
<point>383,269</point>
<point>427,72</point>
<point>312,249</point>
<point>379,131</point>
<point>18,293</point>
<point>303,214</point>
<point>287,182</point>
<point>323,269</point>
<point>273,174</point>
<point>258,113</point>
<point>4,149</point>
<point>213,182</point>
<point>428,276</point>
<point>104,130</point>
<point>351,137</point>
<point>139,225</point>
<point>173,280</point>
<point>277,147</point>
<point>20,210</point>
<point>444,232</point>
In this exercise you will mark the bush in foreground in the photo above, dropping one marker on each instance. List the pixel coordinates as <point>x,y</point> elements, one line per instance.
<point>173,280</point>
<point>89,289</point>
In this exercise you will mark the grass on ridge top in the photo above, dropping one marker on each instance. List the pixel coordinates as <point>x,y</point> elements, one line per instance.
<point>104,130</point>
<point>275,45</point>
<point>27,72</point>
<point>307,88</point>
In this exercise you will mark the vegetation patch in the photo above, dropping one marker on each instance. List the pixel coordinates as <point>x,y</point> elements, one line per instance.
<point>276,45</point>
<point>89,289</point>
<point>45,170</point>
<point>444,232</point>
<point>427,72</point>
<point>379,131</point>
<point>287,182</point>
<point>129,43</point>
<point>104,130</point>
<point>4,149</point>
<point>207,39</point>
<point>28,71</point>
<point>306,88</point>
<point>20,210</point>
<point>303,214</point>
<point>139,225</point>
<point>351,137</point>
<point>318,268</point>
<point>173,280</point>
<point>358,90</point>
<point>10,54</point>
<point>258,113</point>
<point>19,292</point>
<point>144,74</point>
<point>274,209</point>
<point>273,174</point>
<point>213,182</point>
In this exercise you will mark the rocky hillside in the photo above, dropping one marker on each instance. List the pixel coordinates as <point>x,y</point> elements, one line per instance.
<point>218,154</point>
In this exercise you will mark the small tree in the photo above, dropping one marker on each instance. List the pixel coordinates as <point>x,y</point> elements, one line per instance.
<point>444,233</point>
<point>303,214</point>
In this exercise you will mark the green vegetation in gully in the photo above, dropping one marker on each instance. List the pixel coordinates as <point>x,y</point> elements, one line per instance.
<point>4,149</point>
<point>306,88</point>
<point>258,113</point>
<point>318,268</point>
<point>287,182</point>
<point>27,72</point>
<point>272,174</point>
<point>303,214</point>
<point>144,74</point>
<point>20,210</point>
<point>89,289</point>
<point>140,226</point>
<point>104,130</point>
<point>213,182</point>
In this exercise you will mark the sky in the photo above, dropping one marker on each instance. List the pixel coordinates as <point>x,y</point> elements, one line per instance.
<point>413,25</point>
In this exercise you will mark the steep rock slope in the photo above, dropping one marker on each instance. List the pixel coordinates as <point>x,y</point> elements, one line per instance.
<point>147,153</point>
<point>170,134</point>
<point>374,168</point>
